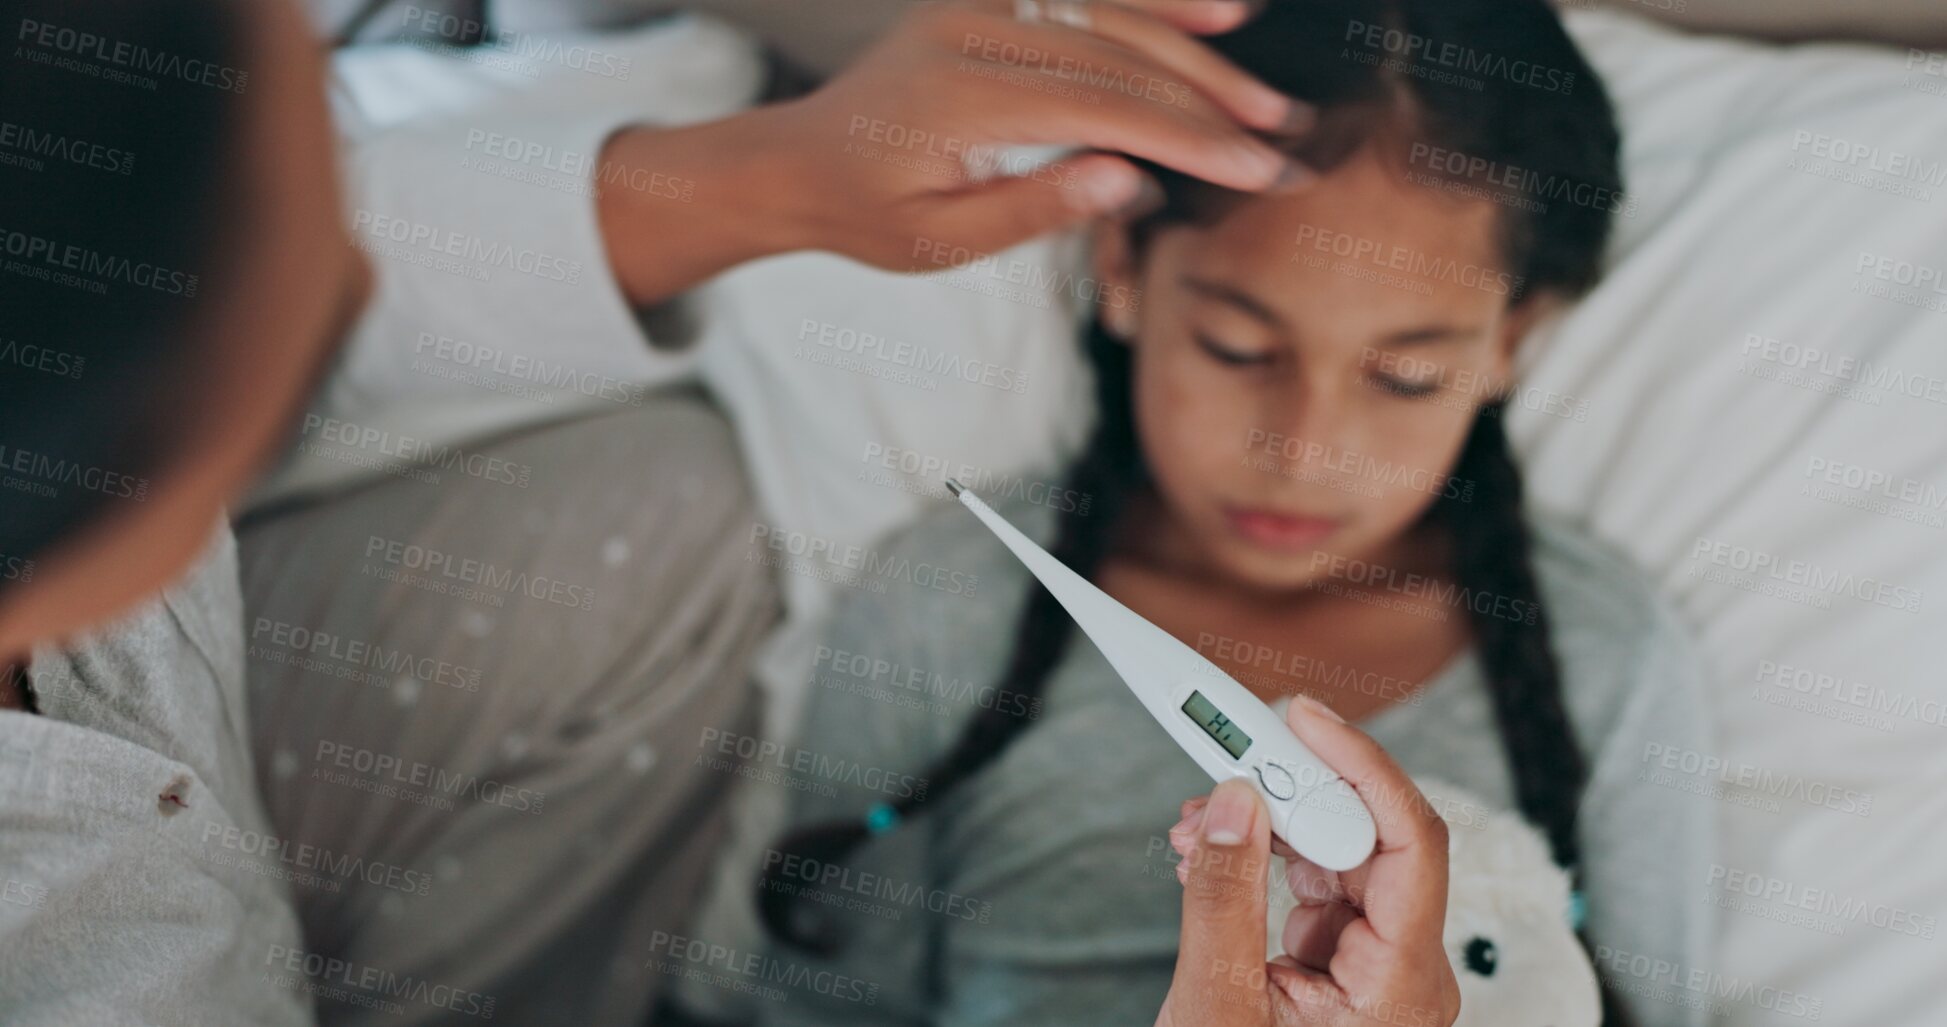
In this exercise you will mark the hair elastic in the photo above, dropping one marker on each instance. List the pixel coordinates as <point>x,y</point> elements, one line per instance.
<point>881,818</point>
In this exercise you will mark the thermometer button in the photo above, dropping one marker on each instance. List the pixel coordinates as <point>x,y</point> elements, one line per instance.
<point>1277,780</point>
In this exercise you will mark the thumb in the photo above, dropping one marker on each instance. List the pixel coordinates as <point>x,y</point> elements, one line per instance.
<point>1003,212</point>
<point>1220,960</point>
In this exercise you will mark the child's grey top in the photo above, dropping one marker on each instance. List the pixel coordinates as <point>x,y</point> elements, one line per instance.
<point>1042,891</point>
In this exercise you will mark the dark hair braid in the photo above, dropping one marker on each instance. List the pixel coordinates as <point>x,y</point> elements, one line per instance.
<point>1109,470</point>
<point>1492,555</point>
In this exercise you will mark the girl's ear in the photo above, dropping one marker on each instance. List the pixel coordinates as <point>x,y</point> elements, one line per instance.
<point>1115,267</point>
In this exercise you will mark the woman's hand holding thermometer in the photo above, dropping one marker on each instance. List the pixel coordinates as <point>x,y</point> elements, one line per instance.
<point>1218,722</point>
<point>1367,948</point>
<point>1362,949</point>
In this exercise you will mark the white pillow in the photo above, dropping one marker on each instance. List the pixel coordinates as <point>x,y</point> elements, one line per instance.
<point>1763,374</point>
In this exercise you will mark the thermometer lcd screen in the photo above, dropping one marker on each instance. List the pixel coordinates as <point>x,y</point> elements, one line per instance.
<point>1213,721</point>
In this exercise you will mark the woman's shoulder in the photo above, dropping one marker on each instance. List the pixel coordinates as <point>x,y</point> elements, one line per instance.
<point>1629,662</point>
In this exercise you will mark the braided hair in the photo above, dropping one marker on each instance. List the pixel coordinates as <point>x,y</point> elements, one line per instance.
<point>1554,247</point>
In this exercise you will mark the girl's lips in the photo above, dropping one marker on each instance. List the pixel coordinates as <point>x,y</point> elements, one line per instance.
<point>1280,531</point>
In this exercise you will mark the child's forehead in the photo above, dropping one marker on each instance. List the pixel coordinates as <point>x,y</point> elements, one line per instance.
<point>1369,202</point>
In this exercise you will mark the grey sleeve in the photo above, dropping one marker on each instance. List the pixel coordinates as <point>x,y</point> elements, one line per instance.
<point>883,705</point>
<point>1648,843</point>
<point>1082,891</point>
<point>881,698</point>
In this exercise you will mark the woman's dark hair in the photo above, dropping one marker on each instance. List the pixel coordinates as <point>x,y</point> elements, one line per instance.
<point>116,119</point>
<point>1497,81</point>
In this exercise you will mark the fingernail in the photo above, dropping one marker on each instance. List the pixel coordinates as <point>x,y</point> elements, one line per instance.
<point>1299,118</point>
<point>1227,820</point>
<point>1313,706</point>
<point>1292,177</point>
<point>1106,189</point>
<point>1188,825</point>
<point>1148,200</point>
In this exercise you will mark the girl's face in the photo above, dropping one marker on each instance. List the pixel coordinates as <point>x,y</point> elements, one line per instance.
<point>1307,367</point>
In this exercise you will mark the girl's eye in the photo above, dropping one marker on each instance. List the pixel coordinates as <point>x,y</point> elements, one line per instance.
<point>1410,390</point>
<point>1233,357</point>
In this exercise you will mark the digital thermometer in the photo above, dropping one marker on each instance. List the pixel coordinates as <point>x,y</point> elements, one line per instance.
<point>1226,729</point>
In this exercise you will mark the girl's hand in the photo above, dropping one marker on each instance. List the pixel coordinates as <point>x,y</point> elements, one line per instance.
<point>1363,948</point>
<point>899,161</point>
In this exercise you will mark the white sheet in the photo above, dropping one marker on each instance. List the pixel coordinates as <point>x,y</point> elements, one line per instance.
<point>1744,254</point>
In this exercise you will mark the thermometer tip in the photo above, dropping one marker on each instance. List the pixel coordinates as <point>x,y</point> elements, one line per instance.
<point>955,487</point>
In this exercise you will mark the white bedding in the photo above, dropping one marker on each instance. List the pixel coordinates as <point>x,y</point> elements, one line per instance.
<point>1753,220</point>
<point>1742,252</point>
